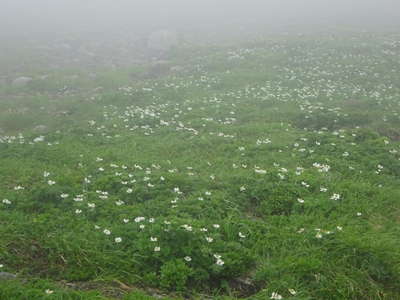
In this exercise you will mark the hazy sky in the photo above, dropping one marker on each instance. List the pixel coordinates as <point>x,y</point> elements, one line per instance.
<point>102,15</point>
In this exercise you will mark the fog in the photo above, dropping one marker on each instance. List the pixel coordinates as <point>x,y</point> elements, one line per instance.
<point>28,17</point>
<point>156,149</point>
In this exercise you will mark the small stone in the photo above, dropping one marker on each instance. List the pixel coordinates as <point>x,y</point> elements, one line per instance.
<point>40,128</point>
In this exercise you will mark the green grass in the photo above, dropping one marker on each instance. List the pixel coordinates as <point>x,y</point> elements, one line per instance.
<point>272,167</point>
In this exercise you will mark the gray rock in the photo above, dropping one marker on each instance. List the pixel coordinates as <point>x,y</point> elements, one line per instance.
<point>159,68</point>
<point>162,40</point>
<point>177,69</point>
<point>160,62</point>
<point>40,128</point>
<point>72,77</point>
<point>7,276</point>
<point>21,81</point>
<point>44,77</point>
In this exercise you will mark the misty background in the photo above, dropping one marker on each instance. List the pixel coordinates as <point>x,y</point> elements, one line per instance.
<point>36,17</point>
<point>91,34</point>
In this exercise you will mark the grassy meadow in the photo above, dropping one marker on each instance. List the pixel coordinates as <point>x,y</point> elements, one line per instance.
<point>267,169</point>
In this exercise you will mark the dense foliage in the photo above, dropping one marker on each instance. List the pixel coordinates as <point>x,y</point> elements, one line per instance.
<point>263,171</point>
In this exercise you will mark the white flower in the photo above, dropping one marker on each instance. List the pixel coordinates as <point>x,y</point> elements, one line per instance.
<point>323,189</point>
<point>139,219</point>
<point>91,205</point>
<point>276,296</point>
<point>153,239</point>
<point>321,167</point>
<point>157,249</point>
<point>177,190</point>
<point>220,262</point>
<point>78,211</point>
<point>46,174</point>
<point>187,227</point>
<point>107,232</point>
<point>187,258</point>
<point>78,198</point>
<point>6,201</point>
<point>126,220</point>
<point>129,191</point>
<point>64,196</point>
<point>335,197</point>
<point>48,292</point>
<point>305,184</point>
<point>292,291</point>
<point>241,235</point>
<point>51,182</point>
<point>300,200</point>
<point>216,226</point>
<point>260,171</point>
<point>359,214</point>
<point>1,265</point>
<point>318,235</point>
<point>118,240</point>
<point>209,239</point>
<point>242,188</point>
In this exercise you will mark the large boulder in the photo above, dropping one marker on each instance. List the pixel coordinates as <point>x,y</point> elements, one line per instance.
<point>162,40</point>
<point>21,81</point>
